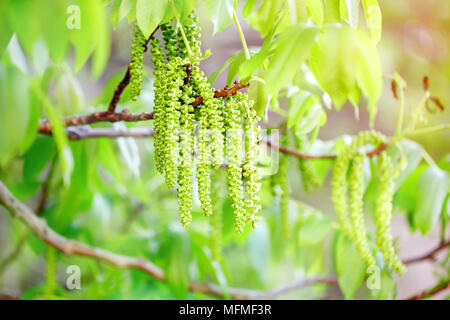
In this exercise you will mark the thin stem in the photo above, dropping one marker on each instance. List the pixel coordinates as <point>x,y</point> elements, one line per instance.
<point>416,113</point>
<point>180,26</point>
<point>401,112</point>
<point>428,159</point>
<point>241,35</point>
<point>185,40</point>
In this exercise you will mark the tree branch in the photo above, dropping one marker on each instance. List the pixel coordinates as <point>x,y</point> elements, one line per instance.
<point>71,247</point>
<point>428,256</point>
<point>431,292</point>
<point>107,116</point>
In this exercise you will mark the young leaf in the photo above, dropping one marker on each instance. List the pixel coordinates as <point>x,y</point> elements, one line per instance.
<point>248,8</point>
<point>316,11</point>
<point>350,268</point>
<point>14,112</point>
<point>333,62</point>
<point>433,187</point>
<point>149,14</point>
<point>220,12</point>
<point>370,77</point>
<point>373,18</point>
<point>293,47</point>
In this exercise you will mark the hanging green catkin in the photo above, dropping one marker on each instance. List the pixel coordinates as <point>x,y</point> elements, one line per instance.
<point>309,178</point>
<point>170,41</point>
<point>213,116</point>
<point>356,209</point>
<point>339,181</point>
<point>283,180</point>
<point>383,213</point>
<point>192,32</point>
<point>203,166</point>
<point>250,169</point>
<point>160,84</point>
<point>215,232</point>
<point>137,55</point>
<point>185,171</point>
<point>175,76</point>
<point>232,121</point>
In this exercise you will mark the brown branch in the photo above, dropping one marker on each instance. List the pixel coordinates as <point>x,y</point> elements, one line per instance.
<point>71,247</point>
<point>43,198</point>
<point>106,116</point>
<point>125,81</point>
<point>101,116</point>
<point>428,256</point>
<point>223,93</point>
<point>431,292</point>
<point>298,154</point>
<point>4,296</point>
<point>85,132</point>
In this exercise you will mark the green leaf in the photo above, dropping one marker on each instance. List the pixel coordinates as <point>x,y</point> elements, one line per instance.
<point>37,157</point>
<point>293,47</point>
<point>413,152</point>
<point>314,227</point>
<point>370,76</point>
<point>59,133</point>
<point>15,112</point>
<point>374,19</point>
<point>248,8</point>
<point>433,188</point>
<point>120,9</point>
<point>177,252</point>
<point>316,11</point>
<point>214,76</point>
<point>24,22</point>
<point>220,12</point>
<point>248,67</point>
<point>149,14</point>
<point>333,60</point>
<point>305,112</point>
<point>350,268</point>
<point>234,67</point>
<point>265,18</point>
<point>259,250</point>
<point>387,286</point>
<point>5,27</point>
<point>54,31</point>
<point>352,7</point>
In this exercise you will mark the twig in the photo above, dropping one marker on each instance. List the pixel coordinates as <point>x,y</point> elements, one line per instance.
<point>85,132</point>
<point>431,292</point>
<point>106,116</point>
<point>428,256</point>
<point>298,154</point>
<point>14,254</point>
<point>101,116</point>
<point>45,188</point>
<point>71,247</point>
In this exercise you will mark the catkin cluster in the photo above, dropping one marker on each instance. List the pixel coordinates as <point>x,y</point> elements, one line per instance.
<point>348,192</point>
<point>200,138</point>
<point>137,55</point>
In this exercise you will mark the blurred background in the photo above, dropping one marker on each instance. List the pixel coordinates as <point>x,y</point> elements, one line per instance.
<point>131,211</point>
